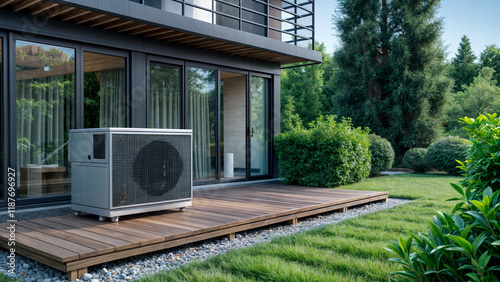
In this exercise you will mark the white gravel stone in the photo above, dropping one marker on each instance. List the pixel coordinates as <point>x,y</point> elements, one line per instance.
<point>136,267</point>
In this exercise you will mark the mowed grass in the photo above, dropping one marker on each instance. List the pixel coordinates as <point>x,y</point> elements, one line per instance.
<point>349,251</point>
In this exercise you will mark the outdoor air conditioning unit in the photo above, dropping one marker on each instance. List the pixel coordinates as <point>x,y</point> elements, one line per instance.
<point>121,171</point>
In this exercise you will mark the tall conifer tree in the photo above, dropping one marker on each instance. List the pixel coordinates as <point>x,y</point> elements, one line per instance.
<point>391,68</point>
<point>464,67</point>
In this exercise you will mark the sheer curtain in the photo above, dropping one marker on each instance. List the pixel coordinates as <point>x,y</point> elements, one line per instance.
<point>45,114</point>
<point>112,104</point>
<point>201,118</point>
<point>165,93</point>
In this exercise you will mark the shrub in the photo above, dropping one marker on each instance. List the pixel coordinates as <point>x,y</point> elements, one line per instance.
<point>483,163</point>
<point>382,154</point>
<point>328,154</point>
<point>414,159</point>
<point>463,245</point>
<point>443,154</point>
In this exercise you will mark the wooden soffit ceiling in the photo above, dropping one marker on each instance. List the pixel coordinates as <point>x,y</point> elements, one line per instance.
<point>65,13</point>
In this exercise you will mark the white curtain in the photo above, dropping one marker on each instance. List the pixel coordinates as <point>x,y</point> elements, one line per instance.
<point>112,104</point>
<point>45,114</point>
<point>201,118</point>
<point>199,121</point>
<point>165,96</point>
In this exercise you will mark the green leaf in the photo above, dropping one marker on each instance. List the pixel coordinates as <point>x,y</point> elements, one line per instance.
<point>473,276</point>
<point>484,259</point>
<point>478,242</point>
<point>437,231</point>
<point>459,222</point>
<point>466,231</point>
<point>463,243</point>
<point>458,188</point>
<point>487,192</point>
<point>496,243</point>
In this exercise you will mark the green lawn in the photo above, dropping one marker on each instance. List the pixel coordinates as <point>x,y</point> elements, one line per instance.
<point>351,250</point>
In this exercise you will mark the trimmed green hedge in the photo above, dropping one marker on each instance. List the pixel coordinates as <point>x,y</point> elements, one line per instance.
<point>382,154</point>
<point>414,159</point>
<point>443,154</point>
<point>328,154</point>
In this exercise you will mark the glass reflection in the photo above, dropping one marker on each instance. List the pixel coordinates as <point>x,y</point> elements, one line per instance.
<point>45,97</point>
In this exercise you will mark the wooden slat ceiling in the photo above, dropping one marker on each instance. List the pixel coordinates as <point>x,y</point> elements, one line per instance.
<point>108,22</point>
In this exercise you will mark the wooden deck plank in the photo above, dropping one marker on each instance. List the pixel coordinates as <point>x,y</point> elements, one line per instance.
<point>117,243</point>
<point>71,243</point>
<point>42,248</point>
<point>101,248</point>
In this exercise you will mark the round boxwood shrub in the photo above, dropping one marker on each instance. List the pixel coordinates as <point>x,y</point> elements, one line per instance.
<point>414,159</point>
<point>443,154</point>
<point>382,154</point>
<point>328,154</point>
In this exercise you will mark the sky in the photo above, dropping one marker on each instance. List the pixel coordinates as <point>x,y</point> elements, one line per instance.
<point>478,19</point>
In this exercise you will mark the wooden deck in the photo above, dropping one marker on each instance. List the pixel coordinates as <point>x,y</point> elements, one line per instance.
<point>73,243</point>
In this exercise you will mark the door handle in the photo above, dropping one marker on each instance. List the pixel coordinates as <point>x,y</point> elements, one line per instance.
<point>251,131</point>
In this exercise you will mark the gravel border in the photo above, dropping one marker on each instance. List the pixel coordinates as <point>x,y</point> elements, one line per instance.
<point>138,266</point>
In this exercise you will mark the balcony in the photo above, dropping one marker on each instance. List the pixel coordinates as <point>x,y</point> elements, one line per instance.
<point>288,21</point>
<point>273,31</point>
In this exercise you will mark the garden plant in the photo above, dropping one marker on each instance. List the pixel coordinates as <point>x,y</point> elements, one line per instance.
<point>463,245</point>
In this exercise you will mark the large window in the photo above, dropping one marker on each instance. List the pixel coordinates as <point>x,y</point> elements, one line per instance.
<point>164,96</point>
<point>104,90</point>
<point>202,119</point>
<point>45,100</point>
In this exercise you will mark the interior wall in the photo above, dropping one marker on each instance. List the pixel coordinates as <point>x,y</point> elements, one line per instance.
<point>235,118</point>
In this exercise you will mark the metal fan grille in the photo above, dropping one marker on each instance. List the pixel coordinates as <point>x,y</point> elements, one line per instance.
<point>150,168</point>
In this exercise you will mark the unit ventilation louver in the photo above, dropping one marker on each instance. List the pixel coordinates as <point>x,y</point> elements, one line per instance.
<point>119,171</point>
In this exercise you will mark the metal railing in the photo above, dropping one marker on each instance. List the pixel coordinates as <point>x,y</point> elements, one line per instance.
<point>290,21</point>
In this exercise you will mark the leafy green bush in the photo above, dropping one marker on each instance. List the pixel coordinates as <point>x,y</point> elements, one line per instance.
<point>443,154</point>
<point>414,159</point>
<point>483,163</point>
<point>463,245</point>
<point>328,154</point>
<point>382,154</point>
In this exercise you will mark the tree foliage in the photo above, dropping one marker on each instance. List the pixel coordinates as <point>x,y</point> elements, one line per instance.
<point>480,97</point>
<point>304,85</point>
<point>463,66</point>
<point>490,57</point>
<point>391,72</point>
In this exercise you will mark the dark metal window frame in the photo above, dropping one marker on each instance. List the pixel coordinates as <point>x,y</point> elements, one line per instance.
<point>270,112</point>
<point>12,121</point>
<point>173,63</point>
<point>5,118</point>
<point>110,52</point>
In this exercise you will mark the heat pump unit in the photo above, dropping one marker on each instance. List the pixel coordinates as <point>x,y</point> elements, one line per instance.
<point>121,171</point>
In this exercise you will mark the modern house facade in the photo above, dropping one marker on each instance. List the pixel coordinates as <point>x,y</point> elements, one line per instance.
<point>212,66</point>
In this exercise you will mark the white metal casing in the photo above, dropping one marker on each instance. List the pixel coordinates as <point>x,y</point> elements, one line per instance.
<point>92,178</point>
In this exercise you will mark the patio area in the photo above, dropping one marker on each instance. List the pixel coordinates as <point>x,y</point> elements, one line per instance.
<point>73,243</point>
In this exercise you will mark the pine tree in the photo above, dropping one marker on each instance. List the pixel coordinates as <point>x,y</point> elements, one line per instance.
<point>464,68</point>
<point>391,70</point>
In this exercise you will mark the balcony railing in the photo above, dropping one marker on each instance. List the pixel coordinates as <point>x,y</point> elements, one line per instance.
<point>290,21</point>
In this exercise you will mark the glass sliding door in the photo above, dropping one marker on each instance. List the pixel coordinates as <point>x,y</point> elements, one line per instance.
<point>259,126</point>
<point>164,96</point>
<point>104,90</point>
<point>202,113</point>
<point>45,100</point>
<point>233,110</point>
